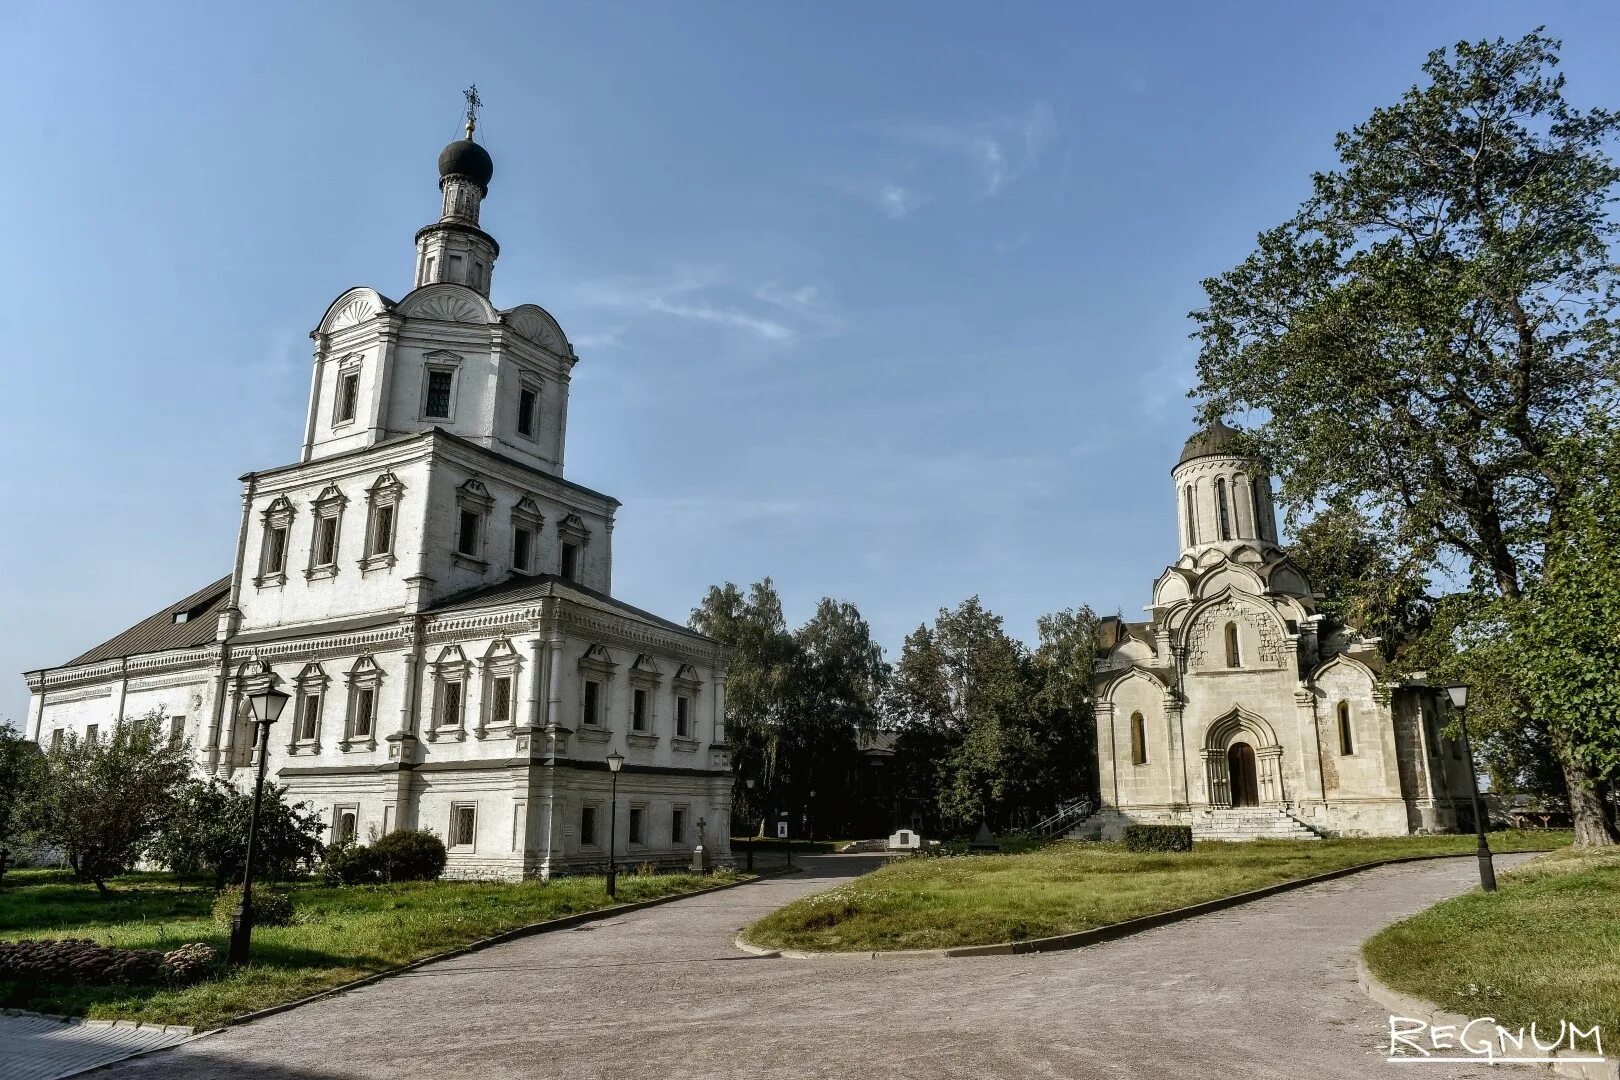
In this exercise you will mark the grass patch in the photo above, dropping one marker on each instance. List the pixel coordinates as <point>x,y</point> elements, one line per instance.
<point>337,935</point>
<point>1544,947</point>
<point>933,903</point>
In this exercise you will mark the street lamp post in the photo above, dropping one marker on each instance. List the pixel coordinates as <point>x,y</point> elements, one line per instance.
<point>615,761</point>
<point>266,704</point>
<point>750,785</point>
<point>1487,871</point>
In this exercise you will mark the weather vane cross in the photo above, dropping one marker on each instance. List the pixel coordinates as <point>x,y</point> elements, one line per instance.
<point>474,103</point>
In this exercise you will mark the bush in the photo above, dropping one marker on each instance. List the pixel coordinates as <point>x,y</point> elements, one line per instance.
<point>207,833</point>
<point>410,855</point>
<point>269,908</point>
<point>1158,838</point>
<point>348,863</point>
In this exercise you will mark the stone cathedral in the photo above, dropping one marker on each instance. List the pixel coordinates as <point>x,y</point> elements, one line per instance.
<point>1238,709</point>
<point>437,600</point>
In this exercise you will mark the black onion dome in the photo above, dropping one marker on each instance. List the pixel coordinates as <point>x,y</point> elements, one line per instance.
<point>1213,440</point>
<point>466,158</point>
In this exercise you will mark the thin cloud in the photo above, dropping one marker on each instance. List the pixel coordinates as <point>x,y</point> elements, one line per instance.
<point>703,295</point>
<point>999,148</point>
<point>896,202</point>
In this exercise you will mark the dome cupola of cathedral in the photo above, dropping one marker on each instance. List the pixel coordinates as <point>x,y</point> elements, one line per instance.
<point>466,158</point>
<point>1214,440</point>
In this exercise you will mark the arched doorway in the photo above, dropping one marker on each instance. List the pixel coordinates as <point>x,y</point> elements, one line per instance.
<point>1241,772</point>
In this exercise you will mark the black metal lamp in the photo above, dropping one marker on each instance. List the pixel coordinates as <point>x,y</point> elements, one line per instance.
<point>1487,871</point>
<point>266,704</point>
<point>615,762</point>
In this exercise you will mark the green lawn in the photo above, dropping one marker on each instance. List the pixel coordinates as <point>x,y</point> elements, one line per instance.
<point>926,903</point>
<point>1544,947</point>
<point>338,934</point>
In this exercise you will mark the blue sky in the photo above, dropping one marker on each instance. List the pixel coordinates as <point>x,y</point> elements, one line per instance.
<point>885,301</point>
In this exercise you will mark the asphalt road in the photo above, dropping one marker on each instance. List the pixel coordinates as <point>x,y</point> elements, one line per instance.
<point>1266,990</point>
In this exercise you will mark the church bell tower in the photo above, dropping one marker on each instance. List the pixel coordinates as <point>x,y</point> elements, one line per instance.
<point>454,248</point>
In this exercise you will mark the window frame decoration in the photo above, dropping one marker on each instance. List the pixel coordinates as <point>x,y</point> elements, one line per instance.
<point>596,665</point>
<point>644,676</point>
<point>594,809</point>
<point>363,678</point>
<point>383,495</point>
<point>348,378</point>
<point>1223,510</point>
<point>529,385</point>
<point>450,669</point>
<point>1347,740</point>
<point>526,517</point>
<point>1232,639</point>
<point>441,362</point>
<point>472,497</point>
<point>687,686</point>
<point>456,846</point>
<point>635,825</point>
<point>571,533</point>
<point>309,686</point>
<point>678,815</point>
<point>1139,750</point>
<point>328,506</point>
<point>500,661</point>
<point>277,517</point>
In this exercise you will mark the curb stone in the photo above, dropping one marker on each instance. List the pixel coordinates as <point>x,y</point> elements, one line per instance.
<point>1081,938</point>
<point>1401,1004</point>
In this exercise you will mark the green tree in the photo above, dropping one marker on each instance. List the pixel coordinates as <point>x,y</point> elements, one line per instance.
<point>102,801</point>
<point>19,783</point>
<point>1361,580</point>
<point>1432,324</point>
<point>206,833</point>
<point>1063,665</point>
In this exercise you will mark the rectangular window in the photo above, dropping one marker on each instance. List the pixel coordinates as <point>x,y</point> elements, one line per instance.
<point>454,264</point>
<point>527,399</point>
<point>463,826</point>
<point>467,534</point>
<point>309,719</point>
<point>177,731</point>
<point>638,710</point>
<point>522,547</point>
<point>587,825</point>
<point>92,732</point>
<point>348,397</point>
<point>450,705</point>
<point>500,701</point>
<point>345,823</point>
<point>326,540</point>
<point>275,550</point>
<point>56,738</point>
<point>438,394</point>
<point>591,712</point>
<point>638,817</point>
<point>677,825</point>
<point>570,561</point>
<point>382,530</point>
<point>683,717</point>
<point>365,704</point>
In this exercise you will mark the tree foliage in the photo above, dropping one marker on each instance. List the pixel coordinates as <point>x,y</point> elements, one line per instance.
<point>102,801</point>
<point>19,784</point>
<point>1435,322</point>
<point>206,833</point>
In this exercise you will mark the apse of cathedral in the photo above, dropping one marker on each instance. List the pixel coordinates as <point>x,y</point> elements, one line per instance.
<point>435,597</point>
<point>1238,708</point>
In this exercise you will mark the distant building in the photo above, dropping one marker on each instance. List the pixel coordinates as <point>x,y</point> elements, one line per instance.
<point>436,598</point>
<point>1238,709</point>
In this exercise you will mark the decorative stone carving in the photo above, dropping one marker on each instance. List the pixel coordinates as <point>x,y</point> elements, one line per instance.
<point>1273,648</point>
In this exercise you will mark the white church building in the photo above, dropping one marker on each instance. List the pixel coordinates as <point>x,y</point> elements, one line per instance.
<point>1238,709</point>
<point>437,599</point>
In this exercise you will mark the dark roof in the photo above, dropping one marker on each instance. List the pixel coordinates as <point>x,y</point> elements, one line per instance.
<point>466,158</point>
<point>160,633</point>
<point>525,588</point>
<point>1215,439</point>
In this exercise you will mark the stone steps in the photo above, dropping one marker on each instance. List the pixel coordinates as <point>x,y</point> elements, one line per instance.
<point>1249,824</point>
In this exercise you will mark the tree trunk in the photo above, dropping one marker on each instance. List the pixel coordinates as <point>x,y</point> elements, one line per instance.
<point>1592,825</point>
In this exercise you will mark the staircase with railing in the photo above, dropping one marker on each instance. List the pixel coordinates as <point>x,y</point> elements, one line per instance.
<point>1065,817</point>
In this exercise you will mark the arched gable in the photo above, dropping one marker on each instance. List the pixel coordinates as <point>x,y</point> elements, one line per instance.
<point>352,307</point>
<point>1230,576</point>
<point>1286,578</point>
<point>1343,662</point>
<point>1171,587</point>
<point>1238,719</point>
<point>445,301</point>
<point>537,325</point>
<point>1266,638</point>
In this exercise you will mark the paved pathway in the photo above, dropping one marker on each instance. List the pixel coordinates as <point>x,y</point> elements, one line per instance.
<point>34,1047</point>
<point>1262,991</point>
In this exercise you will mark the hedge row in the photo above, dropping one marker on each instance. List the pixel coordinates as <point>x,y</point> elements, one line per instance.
<point>1158,838</point>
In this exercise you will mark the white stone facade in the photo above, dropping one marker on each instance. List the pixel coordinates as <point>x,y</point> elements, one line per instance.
<point>436,598</point>
<point>1235,695</point>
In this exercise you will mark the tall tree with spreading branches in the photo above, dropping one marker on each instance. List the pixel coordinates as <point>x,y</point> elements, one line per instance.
<point>1438,317</point>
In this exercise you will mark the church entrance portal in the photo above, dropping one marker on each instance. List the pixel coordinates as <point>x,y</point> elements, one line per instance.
<point>1240,769</point>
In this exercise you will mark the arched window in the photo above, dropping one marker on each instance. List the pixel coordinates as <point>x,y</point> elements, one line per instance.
<point>1262,519</point>
<point>1138,739</point>
<point>1347,743</point>
<point>1222,510</point>
<point>1233,658</point>
<point>1192,517</point>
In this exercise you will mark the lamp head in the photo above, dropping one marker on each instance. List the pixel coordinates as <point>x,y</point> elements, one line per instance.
<point>750,783</point>
<point>1458,695</point>
<point>615,761</point>
<point>267,703</point>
